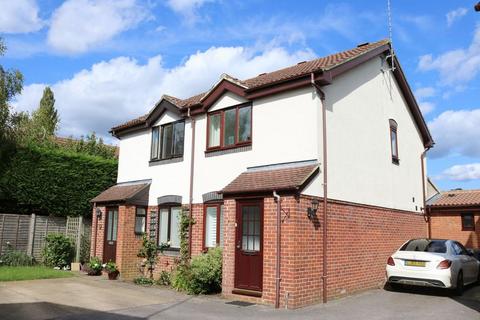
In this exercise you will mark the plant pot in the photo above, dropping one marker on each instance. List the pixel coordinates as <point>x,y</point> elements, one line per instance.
<point>75,266</point>
<point>113,275</point>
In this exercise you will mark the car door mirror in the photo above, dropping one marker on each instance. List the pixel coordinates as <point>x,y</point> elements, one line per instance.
<point>470,252</point>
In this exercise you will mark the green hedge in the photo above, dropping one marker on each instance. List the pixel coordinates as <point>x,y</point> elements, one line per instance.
<point>54,181</point>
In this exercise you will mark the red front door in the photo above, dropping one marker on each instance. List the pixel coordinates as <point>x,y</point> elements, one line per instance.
<point>111,224</point>
<point>249,245</point>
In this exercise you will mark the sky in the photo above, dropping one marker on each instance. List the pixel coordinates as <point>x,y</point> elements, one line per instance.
<point>109,61</point>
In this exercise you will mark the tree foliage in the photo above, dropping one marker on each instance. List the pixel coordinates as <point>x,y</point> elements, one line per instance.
<point>54,181</point>
<point>46,117</point>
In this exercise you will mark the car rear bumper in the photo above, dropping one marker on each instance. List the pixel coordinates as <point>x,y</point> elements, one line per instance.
<point>417,282</point>
<point>433,278</point>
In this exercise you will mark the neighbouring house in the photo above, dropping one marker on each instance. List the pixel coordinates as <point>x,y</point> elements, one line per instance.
<point>455,214</point>
<point>252,159</point>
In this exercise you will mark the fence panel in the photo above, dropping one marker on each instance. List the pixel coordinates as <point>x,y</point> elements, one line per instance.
<point>27,232</point>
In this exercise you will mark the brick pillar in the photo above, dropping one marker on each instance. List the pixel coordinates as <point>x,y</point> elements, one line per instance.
<point>229,215</point>
<point>128,243</point>
<point>98,233</point>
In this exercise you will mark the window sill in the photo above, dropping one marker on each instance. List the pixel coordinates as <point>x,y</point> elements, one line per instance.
<point>468,229</point>
<point>170,252</point>
<point>227,150</point>
<point>165,161</point>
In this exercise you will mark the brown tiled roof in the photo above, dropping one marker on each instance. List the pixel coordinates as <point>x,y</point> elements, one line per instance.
<point>270,78</point>
<point>456,198</point>
<point>282,179</point>
<point>119,192</point>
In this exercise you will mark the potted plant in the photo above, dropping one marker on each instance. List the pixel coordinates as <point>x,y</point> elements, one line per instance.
<point>112,270</point>
<point>94,267</point>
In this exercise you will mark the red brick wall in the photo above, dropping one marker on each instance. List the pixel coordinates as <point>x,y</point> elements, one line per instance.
<point>449,226</point>
<point>360,241</point>
<point>98,234</point>
<point>128,243</point>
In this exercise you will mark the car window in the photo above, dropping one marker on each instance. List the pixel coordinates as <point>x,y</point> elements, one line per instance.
<point>459,249</point>
<point>425,245</point>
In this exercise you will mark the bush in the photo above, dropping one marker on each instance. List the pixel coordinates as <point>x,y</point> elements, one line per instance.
<point>15,258</point>
<point>84,249</point>
<point>202,276</point>
<point>94,266</point>
<point>144,281</point>
<point>164,279</point>
<point>58,251</point>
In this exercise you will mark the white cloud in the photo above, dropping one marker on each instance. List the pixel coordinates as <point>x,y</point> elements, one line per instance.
<point>456,67</point>
<point>425,92</point>
<point>426,107</point>
<point>462,172</point>
<point>456,132</point>
<point>456,14</point>
<point>79,25</point>
<point>187,8</point>
<point>114,91</point>
<point>19,16</point>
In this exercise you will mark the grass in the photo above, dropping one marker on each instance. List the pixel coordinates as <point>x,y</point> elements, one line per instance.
<point>31,273</point>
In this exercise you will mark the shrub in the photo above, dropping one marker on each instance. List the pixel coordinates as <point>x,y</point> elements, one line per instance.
<point>58,251</point>
<point>94,266</point>
<point>164,279</point>
<point>84,249</point>
<point>148,251</point>
<point>111,267</point>
<point>202,276</point>
<point>144,281</point>
<point>15,258</point>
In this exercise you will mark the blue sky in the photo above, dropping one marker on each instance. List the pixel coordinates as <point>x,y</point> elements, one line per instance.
<point>109,61</point>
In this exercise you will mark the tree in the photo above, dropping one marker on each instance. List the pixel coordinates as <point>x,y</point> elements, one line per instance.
<point>45,118</point>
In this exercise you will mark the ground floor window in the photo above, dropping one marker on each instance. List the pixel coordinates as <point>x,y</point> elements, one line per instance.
<point>168,226</point>
<point>468,222</point>
<point>213,225</point>
<point>140,220</point>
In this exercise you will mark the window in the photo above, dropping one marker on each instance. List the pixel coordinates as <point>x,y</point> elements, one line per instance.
<point>213,225</point>
<point>468,222</point>
<point>459,249</point>
<point>394,141</point>
<point>168,228</point>
<point>167,141</point>
<point>425,245</point>
<point>229,128</point>
<point>140,220</point>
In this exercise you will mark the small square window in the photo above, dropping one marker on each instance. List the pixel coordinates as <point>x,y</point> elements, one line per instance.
<point>140,220</point>
<point>468,222</point>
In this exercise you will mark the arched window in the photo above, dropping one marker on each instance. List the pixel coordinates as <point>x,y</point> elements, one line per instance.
<point>394,141</point>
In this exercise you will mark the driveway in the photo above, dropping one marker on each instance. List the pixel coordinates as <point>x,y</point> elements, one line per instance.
<point>95,298</point>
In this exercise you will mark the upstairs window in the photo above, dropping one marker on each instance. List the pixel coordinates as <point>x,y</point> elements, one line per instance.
<point>394,141</point>
<point>229,128</point>
<point>167,141</point>
<point>468,222</point>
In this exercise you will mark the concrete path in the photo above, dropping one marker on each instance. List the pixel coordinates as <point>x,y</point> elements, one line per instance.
<point>96,298</point>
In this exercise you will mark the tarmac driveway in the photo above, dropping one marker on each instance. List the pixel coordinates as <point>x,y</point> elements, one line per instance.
<point>95,298</point>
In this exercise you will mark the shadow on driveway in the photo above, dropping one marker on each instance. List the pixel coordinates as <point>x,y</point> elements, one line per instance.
<point>47,310</point>
<point>470,298</point>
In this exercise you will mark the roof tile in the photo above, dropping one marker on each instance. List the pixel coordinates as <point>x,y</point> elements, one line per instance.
<point>456,198</point>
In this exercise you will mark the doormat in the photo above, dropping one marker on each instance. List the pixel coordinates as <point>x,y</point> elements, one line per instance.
<point>240,303</point>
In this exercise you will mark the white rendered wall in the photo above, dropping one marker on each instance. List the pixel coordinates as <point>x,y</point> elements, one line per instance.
<point>360,169</point>
<point>167,178</point>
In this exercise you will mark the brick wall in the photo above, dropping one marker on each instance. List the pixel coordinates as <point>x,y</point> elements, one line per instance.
<point>360,240</point>
<point>98,234</point>
<point>449,226</point>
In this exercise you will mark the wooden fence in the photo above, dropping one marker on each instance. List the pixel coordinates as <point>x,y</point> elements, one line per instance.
<point>27,232</point>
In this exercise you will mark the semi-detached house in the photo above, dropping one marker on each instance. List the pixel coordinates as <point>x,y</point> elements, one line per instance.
<point>252,160</point>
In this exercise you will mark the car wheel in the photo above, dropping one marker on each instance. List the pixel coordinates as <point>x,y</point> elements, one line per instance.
<point>459,288</point>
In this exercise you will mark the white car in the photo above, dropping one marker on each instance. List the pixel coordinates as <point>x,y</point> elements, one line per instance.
<point>433,263</point>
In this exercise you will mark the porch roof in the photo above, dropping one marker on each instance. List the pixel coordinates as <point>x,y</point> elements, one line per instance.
<point>293,177</point>
<point>135,192</point>
<point>455,198</point>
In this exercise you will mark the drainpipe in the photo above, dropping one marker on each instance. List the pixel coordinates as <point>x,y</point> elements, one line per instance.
<point>190,198</point>
<point>277,260</point>
<point>324,164</point>
<point>425,210</point>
